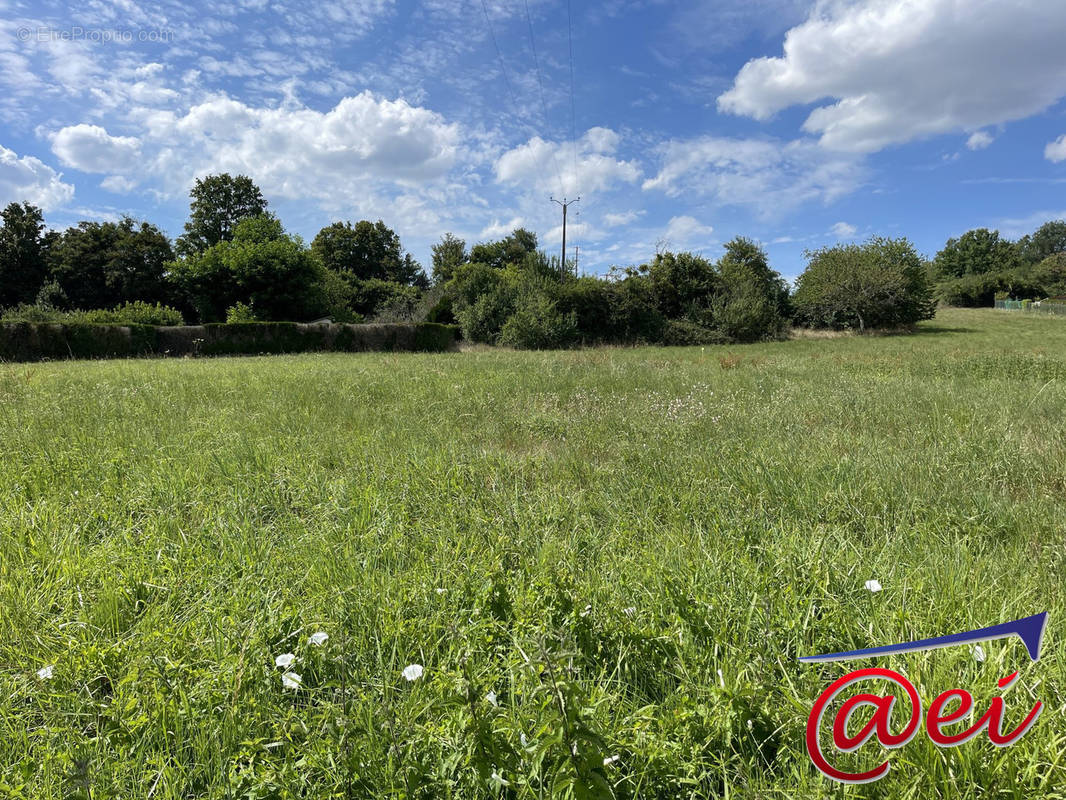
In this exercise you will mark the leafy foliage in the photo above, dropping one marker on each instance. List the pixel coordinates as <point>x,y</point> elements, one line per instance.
<point>976,252</point>
<point>367,251</point>
<point>23,254</point>
<point>448,255</point>
<point>219,203</point>
<point>263,267</point>
<point>102,264</point>
<point>879,284</point>
<point>136,313</point>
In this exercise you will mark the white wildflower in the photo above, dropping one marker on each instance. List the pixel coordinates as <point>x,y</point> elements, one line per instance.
<point>497,780</point>
<point>412,672</point>
<point>291,680</point>
<point>874,585</point>
<point>285,660</point>
<point>587,611</point>
<point>522,738</point>
<point>978,652</point>
<point>721,678</point>
<point>629,611</point>
<point>44,673</point>
<point>318,639</point>
<point>611,759</point>
<point>491,697</point>
<point>440,590</point>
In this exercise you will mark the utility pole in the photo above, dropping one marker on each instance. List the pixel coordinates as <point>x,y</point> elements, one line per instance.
<point>577,256</point>
<point>564,203</point>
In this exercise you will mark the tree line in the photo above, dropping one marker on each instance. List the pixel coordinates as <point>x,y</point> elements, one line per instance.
<point>235,262</point>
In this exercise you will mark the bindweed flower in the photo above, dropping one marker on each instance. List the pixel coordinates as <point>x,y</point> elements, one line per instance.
<point>522,738</point>
<point>497,781</point>
<point>413,672</point>
<point>874,585</point>
<point>290,680</point>
<point>978,652</point>
<point>318,639</point>
<point>587,611</point>
<point>611,760</point>
<point>44,673</point>
<point>491,697</point>
<point>285,660</point>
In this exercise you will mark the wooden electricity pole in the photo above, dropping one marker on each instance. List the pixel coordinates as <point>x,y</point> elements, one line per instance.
<point>564,203</point>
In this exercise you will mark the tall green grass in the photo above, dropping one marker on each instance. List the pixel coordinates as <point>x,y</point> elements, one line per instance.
<point>592,554</point>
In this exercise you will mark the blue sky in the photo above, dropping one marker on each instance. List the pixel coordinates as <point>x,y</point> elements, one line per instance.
<point>795,122</point>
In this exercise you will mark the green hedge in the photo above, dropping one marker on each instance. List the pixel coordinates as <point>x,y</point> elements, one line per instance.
<point>27,341</point>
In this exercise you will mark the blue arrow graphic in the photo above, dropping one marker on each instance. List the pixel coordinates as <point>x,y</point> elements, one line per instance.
<point>1029,629</point>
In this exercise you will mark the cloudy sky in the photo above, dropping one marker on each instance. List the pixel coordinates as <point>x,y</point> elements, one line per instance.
<point>797,122</point>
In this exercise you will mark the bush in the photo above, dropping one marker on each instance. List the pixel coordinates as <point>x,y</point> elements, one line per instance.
<point>684,333</point>
<point>27,341</point>
<point>980,291</point>
<point>539,325</point>
<point>240,312</point>
<point>136,313</point>
<point>879,284</point>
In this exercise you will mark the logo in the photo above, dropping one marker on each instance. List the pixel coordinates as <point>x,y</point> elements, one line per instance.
<point>942,726</point>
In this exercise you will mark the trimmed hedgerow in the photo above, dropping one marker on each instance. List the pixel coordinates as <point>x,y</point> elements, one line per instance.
<point>25,341</point>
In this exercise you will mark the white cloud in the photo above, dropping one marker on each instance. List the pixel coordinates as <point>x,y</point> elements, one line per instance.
<point>769,175</point>
<point>843,230</point>
<point>31,180</point>
<point>685,230</point>
<point>299,152</point>
<point>906,69</point>
<point>90,148</point>
<point>118,184</point>
<point>1056,150</point>
<point>588,165</point>
<point>497,229</point>
<point>979,140</point>
<point>615,220</point>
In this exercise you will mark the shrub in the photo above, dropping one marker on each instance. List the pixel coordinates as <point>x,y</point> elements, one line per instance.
<point>26,341</point>
<point>539,325</point>
<point>685,333</point>
<point>240,312</point>
<point>136,313</point>
<point>748,317</point>
<point>753,302</point>
<point>978,291</point>
<point>881,283</point>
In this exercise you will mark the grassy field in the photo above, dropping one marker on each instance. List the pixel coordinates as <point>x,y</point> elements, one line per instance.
<point>592,554</point>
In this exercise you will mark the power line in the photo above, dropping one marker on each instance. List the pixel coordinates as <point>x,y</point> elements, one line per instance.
<point>573,107</point>
<point>540,88</point>
<point>573,111</point>
<point>499,57</point>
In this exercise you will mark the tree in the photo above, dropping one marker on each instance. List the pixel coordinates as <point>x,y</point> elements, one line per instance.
<point>511,250</point>
<point>263,267</point>
<point>105,264</point>
<point>754,298</point>
<point>219,203</point>
<point>976,252</point>
<point>1048,240</point>
<point>23,254</point>
<point>365,251</point>
<point>684,283</point>
<point>881,283</point>
<point>448,255</point>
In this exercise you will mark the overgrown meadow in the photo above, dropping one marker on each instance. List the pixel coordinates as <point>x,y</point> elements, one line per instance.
<point>606,563</point>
